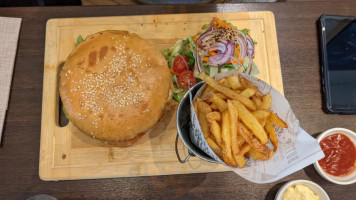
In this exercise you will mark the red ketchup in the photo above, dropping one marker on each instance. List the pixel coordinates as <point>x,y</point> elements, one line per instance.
<point>340,155</point>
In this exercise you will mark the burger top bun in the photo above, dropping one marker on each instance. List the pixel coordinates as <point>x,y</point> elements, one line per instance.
<point>114,86</point>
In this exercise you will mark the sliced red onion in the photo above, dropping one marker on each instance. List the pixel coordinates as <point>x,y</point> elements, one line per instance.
<point>224,41</point>
<point>185,62</point>
<point>218,46</point>
<point>207,32</point>
<point>197,60</point>
<point>250,52</point>
<point>243,46</point>
<point>249,65</point>
<point>250,46</point>
<point>206,38</point>
<point>223,57</point>
<point>241,33</point>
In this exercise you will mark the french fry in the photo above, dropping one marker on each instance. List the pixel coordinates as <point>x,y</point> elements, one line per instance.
<point>227,91</point>
<point>240,157</point>
<point>245,148</point>
<point>257,101</point>
<point>240,140</point>
<point>233,129</point>
<point>259,156</point>
<point>221,96</point>
<point>226,84</point>
<point>234,82</point>
<point>252,141</point>
<point>238,91</point>
<point>203,124</point>
<point>251,122</point>
<point>203,107</point>
<point>214,106</point>
<point>262,116</point>
<point>247,84</point>
<point>241,162</point>
<point>248,92</point>
<point>222,81</point>
<point>214,147</point>
<point>207,91</point>
<point>213,116</point>
<point>272,135</point>
<point>221,104</point>
<point>266,102</point>
<point>277,121</point>
<point>216,131</point>
<point>226,138</point>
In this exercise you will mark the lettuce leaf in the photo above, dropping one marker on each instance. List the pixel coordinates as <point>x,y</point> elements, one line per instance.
<point>79,40</point>
<point>65,113</point>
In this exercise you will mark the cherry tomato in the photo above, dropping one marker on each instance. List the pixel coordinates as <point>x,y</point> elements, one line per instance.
<point>179,65</point>
<point>186,79</point>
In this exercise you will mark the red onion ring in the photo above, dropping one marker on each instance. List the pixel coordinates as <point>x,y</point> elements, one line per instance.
<point>250,53</point>
<point>223,57</point>
<point>218,46</point>
<point>250,46</point>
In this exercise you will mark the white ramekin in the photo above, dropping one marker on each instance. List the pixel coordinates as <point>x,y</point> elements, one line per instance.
<point>346,180</point>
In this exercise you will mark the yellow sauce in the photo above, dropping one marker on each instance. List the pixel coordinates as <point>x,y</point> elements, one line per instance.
<point>300,192</point>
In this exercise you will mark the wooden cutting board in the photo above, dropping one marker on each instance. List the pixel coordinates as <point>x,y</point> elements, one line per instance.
<point>66,153</point>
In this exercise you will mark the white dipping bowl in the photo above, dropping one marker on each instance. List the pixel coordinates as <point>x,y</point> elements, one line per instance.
<point>345,180</point>
<point>311,185</point>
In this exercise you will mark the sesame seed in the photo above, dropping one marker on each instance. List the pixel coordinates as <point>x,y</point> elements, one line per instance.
<point>116,86</point>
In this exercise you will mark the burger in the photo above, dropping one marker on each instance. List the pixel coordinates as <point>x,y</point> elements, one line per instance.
<point>115,86</point>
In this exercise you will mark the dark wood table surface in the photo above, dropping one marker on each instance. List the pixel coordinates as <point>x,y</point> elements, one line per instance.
<point>298,47</point>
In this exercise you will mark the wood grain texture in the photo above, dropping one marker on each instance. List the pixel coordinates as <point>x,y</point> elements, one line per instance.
<point>66,153</point>
<point>298,47</point>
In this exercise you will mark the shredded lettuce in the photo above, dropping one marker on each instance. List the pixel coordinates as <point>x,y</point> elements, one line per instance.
<point>228,23</point>
<point>191,58</point>
<point>213,70</point>
<point>245,31</point>
<point>205,26</point>
<point>254,69</point>
<point>224,70</point>
<point>65,112</point>
<point>229,67</point>
<point>172,52</point>
<point>79,40</point>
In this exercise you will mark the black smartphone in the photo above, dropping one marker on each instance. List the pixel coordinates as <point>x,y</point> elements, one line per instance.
<point>337,38</point>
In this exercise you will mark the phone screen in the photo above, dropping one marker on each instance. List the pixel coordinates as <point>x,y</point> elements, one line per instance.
<point>340,75</point>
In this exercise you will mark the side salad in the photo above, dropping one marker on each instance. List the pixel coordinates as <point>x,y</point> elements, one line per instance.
<point>219,47</point>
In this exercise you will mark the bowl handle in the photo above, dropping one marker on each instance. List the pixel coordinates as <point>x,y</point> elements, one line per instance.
<point>190,153</point>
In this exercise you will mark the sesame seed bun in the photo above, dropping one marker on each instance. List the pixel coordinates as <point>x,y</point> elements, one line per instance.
<point>114,87</point>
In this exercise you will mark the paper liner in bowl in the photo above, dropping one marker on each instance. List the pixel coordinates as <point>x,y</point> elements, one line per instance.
<point>296,150</point>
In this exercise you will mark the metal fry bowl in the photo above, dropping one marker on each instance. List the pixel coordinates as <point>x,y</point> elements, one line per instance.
<point>183,125</point>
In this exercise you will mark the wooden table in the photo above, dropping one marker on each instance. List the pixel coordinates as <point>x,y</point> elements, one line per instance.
<point>298,46</point>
